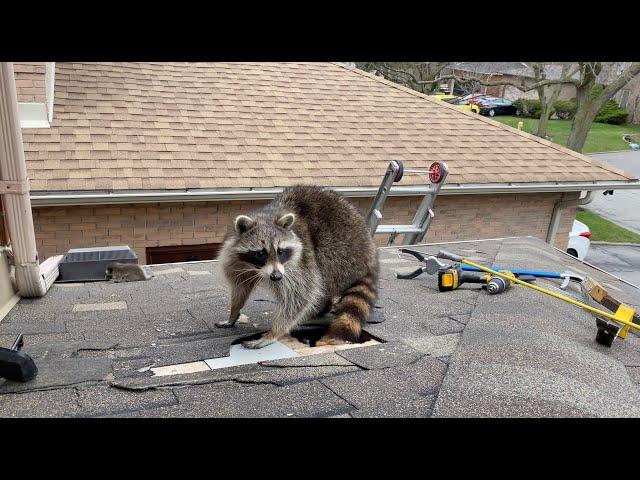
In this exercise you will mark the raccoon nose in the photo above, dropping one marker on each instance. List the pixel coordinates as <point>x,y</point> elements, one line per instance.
<point>276,276</point>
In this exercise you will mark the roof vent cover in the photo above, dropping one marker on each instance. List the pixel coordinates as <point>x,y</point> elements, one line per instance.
<point>89,264</point>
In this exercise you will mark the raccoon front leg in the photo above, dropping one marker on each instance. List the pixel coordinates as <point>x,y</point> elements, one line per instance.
<point>239,295</point>
<point>286,319</point>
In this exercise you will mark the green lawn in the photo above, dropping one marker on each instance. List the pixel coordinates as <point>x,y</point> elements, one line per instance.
<point>605,231</point>
<point>602,137</point>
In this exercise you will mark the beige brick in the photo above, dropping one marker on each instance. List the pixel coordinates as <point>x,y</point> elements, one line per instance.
<point>458,217</point>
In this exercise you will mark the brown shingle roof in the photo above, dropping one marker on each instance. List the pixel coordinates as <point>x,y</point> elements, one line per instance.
<point>136,126</point>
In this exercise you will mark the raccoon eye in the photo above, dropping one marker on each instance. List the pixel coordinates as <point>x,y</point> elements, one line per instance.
<point>284,254</point>
<point>261,254</point>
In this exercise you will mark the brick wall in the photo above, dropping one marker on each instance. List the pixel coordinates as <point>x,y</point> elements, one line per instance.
<point>30,81</point>
<point>458,217</point>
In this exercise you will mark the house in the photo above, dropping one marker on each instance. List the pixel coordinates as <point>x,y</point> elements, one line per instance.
<point>161,156</point>
<point>105,349</point>
<point>628,97</point>
<point>509,72</point>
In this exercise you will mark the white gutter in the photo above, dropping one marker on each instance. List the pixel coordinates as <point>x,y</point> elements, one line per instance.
<point>99,198</point>
<point>557,210</point>
<point>31,279</point>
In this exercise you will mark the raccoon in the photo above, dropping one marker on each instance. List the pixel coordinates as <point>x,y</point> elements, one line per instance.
<point>312,249</point>
<point>127,272</point>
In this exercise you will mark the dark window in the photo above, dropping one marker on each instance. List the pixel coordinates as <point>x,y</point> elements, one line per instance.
<point>182,253</point>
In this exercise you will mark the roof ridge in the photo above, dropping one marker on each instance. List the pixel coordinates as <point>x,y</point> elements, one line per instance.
<point>534,138</point>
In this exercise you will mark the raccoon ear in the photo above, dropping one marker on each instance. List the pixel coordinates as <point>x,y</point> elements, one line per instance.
<point>286,221</point>
<point>243,223</point>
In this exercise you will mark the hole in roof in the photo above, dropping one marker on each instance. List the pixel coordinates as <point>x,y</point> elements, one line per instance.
<point>301,342</point>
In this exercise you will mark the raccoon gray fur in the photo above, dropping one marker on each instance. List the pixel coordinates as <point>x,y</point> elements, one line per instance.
<point>312,249</point>
<point>127,272</point>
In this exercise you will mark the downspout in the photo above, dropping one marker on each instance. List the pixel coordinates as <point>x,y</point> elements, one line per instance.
<point>557,211</point>
<point>32,279</point>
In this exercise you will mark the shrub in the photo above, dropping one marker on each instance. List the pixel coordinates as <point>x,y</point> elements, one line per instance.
<point>530,108</point>
<point>566,109</point>
<point>612,113</point>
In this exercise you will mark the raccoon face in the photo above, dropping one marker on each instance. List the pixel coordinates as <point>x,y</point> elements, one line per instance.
<point>267,244</point>
<point>108,273</point>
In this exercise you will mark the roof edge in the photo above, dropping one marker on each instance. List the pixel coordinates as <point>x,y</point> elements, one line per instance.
<point>542,141</point>
<point>55,199</point>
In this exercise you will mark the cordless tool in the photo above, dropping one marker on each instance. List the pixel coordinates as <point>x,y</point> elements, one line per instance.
<point>451,277</point>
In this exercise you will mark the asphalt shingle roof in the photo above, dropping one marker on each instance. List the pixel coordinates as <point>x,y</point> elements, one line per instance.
<point>148,126</point>
<point>447,354</point>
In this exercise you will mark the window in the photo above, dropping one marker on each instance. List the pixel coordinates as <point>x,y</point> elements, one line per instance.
<point>182,253</point>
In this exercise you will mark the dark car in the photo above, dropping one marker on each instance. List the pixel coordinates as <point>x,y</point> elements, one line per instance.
<point>496,106</point>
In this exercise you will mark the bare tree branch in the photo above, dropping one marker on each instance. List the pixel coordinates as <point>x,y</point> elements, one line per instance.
<point>624,78</point>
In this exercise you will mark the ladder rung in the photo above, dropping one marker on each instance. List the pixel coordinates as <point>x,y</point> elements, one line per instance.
<point>398,229</point>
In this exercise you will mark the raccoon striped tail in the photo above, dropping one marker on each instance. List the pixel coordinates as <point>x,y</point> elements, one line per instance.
<point>352,311</point>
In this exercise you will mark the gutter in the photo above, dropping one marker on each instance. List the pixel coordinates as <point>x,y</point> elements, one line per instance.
<point>32,279</point>
<point>55,199</point>
<point>557,210</point>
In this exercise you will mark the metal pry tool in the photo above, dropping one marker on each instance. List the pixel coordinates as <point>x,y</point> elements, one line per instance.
<point>567,276</point>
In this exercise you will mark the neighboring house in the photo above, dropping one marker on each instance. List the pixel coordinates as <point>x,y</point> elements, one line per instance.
<point>627,97</point>
<point>510,72</point>
<point>162,156</point>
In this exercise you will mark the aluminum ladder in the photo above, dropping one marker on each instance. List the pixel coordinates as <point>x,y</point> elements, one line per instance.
<point>415,232</point>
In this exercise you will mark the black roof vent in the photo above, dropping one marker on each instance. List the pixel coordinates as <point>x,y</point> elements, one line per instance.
<point>90,264</point>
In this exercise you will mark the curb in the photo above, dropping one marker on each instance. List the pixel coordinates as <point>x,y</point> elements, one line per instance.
<point>610,151</point>
<point>624,244</point>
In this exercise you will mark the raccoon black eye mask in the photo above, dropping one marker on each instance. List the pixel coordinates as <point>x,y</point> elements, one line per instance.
<point>259,258</point>
<point>284,254</point>
<point>255,257</point>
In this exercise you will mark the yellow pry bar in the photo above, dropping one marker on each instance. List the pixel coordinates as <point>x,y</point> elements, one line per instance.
<point>624,313</point>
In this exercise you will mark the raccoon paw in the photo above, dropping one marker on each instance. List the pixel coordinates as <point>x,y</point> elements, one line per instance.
<point>259,343</point>
<point>225,324</point>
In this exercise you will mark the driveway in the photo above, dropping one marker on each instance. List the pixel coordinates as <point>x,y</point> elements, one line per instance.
<point>623,207</point>
<point>621,260</point>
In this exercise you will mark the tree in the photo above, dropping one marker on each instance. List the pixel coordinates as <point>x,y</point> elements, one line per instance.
<point>590,98</point>
<point>419,76</point>
<point>547,102</point>
<point>582,75</point>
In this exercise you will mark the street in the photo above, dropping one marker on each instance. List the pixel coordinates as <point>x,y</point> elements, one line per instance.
<point>623,207</point>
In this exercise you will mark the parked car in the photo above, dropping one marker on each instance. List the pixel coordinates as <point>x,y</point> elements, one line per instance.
<point>579,240</point>
<point>474,97</point>
<point>496,106</point>
<point>444,96</point>
<point>459,102</point>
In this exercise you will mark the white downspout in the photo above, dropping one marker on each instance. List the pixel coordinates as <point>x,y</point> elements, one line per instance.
<point>557,210</point>
<point>31,279</point>
<point>50,85</point>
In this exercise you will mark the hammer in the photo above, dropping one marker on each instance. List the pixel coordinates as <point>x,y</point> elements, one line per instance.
<point>16,365</point>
